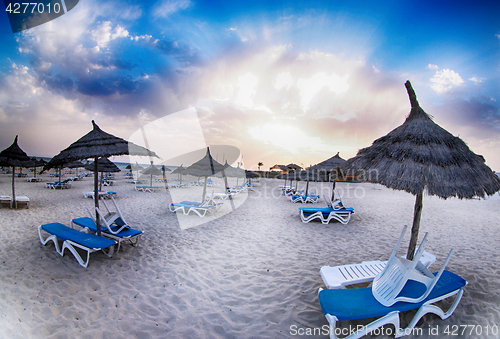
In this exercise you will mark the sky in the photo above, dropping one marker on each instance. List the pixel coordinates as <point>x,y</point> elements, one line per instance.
<point>283,81</point>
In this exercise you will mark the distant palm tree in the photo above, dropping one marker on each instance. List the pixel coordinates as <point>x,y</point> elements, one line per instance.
<point>260,164</point>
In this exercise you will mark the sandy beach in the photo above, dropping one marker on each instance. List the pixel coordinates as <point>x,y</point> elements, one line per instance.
<point>249,271</point>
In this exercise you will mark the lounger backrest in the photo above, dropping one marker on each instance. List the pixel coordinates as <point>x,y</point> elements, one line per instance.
<point>388,284</point>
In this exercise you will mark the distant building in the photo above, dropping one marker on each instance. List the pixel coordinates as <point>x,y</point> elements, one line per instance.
<point>284,169</point>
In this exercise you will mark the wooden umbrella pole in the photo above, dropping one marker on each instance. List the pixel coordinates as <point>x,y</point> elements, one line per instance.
<point>13,202</point>
<point>203,198</point>
<point>333,191</point>
<point>96,197</point>
<point>416,225</point>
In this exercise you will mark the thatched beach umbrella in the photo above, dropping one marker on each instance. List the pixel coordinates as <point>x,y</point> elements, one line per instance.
<point>179,170</point>
<point>14,156</point>
<point>420,155</point>
<point>330,165</point>
<point>103,165</point>
<point>37,163</point>
<point>135,167</point>
<point>95,144</point>
<point>205,167</point>
<point>230,171</point>
<point>251,175</point>
<point>151,170</point>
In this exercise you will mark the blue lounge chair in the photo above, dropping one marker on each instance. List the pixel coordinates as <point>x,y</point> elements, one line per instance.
<point>403,285</point>
<point>201,209</point>
<point>65,184</point>
<point>292,191</point>
<point>115,232</point>
<point>359,303</point>
<point>335,210</point>
<point>72,239</point>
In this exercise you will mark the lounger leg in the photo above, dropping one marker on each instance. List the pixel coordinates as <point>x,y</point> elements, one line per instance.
<point>391,318</point>
<point>429,308</point>
<point>52,238</point>
<point>69,245</point>
<point>136,242</point>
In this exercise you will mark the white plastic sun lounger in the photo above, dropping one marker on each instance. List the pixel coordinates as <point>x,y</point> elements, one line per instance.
<point>312,198</point>
<point>345,275</point>
<point>187,207</point>
<point>73,239</point>
<point>102,194</point>
<point>6,199</point>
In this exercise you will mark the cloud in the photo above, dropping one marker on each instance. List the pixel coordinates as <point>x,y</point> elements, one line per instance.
<point>432,67</point>
<point>167,7</point>
<point>311,86</point>
<point>445,80</point>
<point>476,79</point>
<point>250,100</point>
<point>104,33</point>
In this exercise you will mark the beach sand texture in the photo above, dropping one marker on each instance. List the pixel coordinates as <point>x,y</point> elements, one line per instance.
<point>251,272</point>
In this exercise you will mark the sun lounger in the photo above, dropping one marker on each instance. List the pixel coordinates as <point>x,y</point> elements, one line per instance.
<point>335,210</point>
<point>235,190</point>
<point>346,275</point>
<point>150,189</point>
<point>359,303</point>
<point>115,232</point>
<point>58,184</point>
<point>402,285</point>
<point>33,179</point>
<point>73,239</point>
<point>312,198</point>
<point>173,185</point>
<point>6,199</point>
<point>292,191</point>
<point>218,196</point>
<point>325,214</point>
<point>102,194</point>
<point>198,208</point>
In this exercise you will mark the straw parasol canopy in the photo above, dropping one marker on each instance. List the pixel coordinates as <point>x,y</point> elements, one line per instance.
<point>230,171</point>
<point>14,156</point>
<point>96,144</point>
<point>103,165</point>
<point>329,164</point>
<point>179,170</point>
<point>151,170</point>
<point>420,155</point>
<point>205,167</point>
